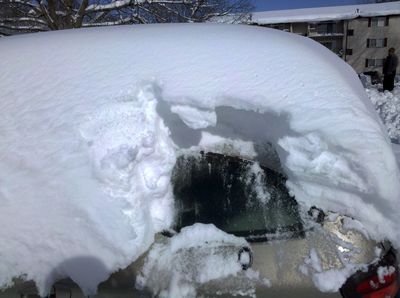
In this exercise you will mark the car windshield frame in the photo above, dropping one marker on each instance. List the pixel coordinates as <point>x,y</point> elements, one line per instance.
<point>193,168</point>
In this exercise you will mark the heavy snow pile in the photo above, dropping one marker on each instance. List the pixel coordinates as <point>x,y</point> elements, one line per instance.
<point>198,255</point>
<point>92,122</point>
<point>387,105</point>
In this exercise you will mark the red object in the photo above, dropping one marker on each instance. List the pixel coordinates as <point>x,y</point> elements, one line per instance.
<point>373,288</point>
<point>366,283</point>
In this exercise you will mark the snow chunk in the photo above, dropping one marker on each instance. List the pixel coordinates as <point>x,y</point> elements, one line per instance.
<point>313,261</point>
<point>195,118</point>
<point>387,104</point>
<point>385,271</point>
<point>199,254</point>
<point>198,234</point>
<point>352,224</point>
<point>255,176</point>
<point>332,280</point>
<point>227,146</point>
<point>327,280</point>
<point>312,156</point>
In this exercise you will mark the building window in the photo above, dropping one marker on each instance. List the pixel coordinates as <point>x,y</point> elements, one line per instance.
<point>325,28</point>
<point>350,32</point>
<point>349,51</point>
<point>378,22</point>
<point>376,42</point>
<point>374,62</point>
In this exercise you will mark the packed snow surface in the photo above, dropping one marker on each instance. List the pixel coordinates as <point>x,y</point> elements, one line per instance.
<point>387,104</point>
<point>92,122</point>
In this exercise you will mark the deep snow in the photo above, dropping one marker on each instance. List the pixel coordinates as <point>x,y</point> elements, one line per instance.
<point>92,121</point>
<point>387,104</point>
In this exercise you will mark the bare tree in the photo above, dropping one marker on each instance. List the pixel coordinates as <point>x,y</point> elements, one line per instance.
<point>18,16</point>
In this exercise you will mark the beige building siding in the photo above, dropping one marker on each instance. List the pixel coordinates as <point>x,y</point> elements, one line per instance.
<point>357,43</point>
<point>394,32</point>
<point>362,37</point>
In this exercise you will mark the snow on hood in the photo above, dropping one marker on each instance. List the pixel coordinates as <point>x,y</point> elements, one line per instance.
<point>92,120</point>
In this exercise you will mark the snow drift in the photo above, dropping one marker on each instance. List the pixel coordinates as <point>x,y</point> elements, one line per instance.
<point>387,104</point>
<point>92,121</point>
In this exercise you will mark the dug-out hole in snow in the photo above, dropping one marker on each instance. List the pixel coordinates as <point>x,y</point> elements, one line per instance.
<point>263,129</point>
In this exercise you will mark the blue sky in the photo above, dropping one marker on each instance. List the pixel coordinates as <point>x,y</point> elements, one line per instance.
<point>287,4</point>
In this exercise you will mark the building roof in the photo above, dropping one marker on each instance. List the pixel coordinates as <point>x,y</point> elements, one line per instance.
<point>317,14</point>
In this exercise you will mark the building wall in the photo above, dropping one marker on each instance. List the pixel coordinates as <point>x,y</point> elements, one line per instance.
<point>334,43</point>
<point>330,33</point>
<point>358,45</point>
<point>352,48</point>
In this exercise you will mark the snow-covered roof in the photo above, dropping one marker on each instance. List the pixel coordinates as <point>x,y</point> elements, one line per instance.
<point>333,13</point>
<point>92,121</point>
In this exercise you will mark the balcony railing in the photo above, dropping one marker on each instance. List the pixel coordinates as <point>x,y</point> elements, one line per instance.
<point>325,29</point>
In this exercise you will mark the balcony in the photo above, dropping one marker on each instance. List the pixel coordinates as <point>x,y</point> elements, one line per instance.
<point>325,29</point>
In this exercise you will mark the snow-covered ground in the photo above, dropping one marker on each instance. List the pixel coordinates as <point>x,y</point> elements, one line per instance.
<point>92,122</point>
<point>387,105</point>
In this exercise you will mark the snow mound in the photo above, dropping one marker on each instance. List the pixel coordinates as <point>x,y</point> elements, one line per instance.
<point>84,192</point>
<point>328,279</point>
<point>198,255</point>
<point>92,121</point>
<point>387,104</point>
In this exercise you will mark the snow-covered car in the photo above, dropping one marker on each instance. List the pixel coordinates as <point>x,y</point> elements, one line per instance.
<point>204,159</point>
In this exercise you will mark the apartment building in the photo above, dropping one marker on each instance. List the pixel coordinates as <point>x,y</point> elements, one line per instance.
<point>360,34</point>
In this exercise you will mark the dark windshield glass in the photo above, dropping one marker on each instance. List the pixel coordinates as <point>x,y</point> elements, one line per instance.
<point>226,191</point>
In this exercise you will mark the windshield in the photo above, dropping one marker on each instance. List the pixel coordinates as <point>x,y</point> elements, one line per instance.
<point>234,195</point>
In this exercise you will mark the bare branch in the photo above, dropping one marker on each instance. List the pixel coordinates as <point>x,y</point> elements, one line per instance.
<point>47,16</point>
<point>22,2</point>
<point>24,19</point>
<point>159,17</point>
<point>98,17</point>
<point>81,13</point>
<point>112,23</point>
<point>51,8</point>
<point>23,28</point>
<point>110,6</point>
<point>175,12</point>
<point>34,15</point>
